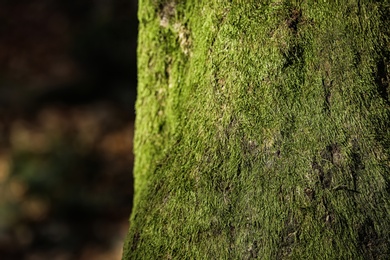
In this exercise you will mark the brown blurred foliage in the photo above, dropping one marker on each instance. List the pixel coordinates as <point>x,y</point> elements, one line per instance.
<point>67,91</point>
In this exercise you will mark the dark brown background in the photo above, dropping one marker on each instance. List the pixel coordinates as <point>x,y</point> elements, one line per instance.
<point>67,92</point>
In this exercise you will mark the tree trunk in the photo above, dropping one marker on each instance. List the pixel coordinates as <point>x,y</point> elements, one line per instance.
<point>262,130</point>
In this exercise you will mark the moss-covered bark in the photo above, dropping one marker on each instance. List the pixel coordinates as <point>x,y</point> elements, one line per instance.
<point>262,130</point>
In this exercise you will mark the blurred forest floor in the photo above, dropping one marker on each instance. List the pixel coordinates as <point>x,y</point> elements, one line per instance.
<point>67,92</point>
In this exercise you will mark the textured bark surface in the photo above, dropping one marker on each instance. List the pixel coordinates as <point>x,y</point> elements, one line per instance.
<point>262,130</point>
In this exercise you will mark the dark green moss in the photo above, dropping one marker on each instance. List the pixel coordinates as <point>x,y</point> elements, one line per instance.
<point>262,131</point>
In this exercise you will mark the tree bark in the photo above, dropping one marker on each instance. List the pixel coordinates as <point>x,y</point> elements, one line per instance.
<point>262,130</point>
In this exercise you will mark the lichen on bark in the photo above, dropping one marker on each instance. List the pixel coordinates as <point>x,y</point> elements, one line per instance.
<point>262,130</point>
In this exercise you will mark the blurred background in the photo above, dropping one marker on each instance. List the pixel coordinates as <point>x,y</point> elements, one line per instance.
<point>67,93</point>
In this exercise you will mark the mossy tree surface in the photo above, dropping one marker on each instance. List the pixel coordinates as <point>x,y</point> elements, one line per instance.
<point>262,130</point>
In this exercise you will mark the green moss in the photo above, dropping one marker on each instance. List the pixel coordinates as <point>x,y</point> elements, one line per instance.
<point>262,131</point>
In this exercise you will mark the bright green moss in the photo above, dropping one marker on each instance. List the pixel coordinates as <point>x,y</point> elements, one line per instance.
<point>262,131</point>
